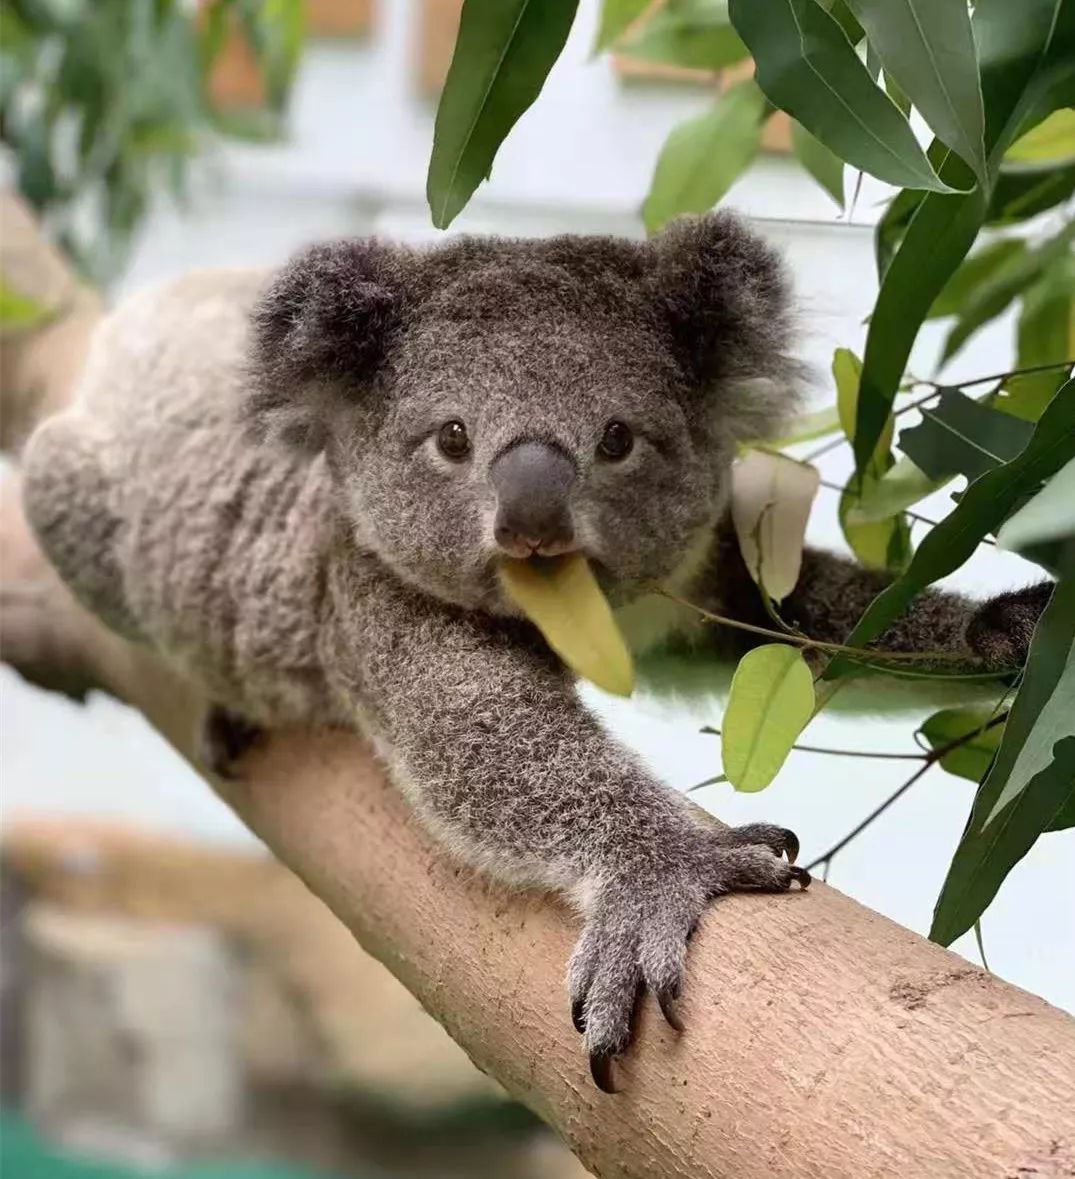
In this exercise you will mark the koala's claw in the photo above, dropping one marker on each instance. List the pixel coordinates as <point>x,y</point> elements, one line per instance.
<point>779,840</point>
<point>636,934</point>
<point>601,1071</point>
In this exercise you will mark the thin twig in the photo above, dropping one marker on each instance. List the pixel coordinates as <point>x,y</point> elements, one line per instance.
<point>819,644</point>
<point>929,760</point>
<point>709,731</point>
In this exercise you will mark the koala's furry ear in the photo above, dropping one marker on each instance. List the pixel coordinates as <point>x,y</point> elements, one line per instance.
<point>320,334</point>
<point>726,299</point>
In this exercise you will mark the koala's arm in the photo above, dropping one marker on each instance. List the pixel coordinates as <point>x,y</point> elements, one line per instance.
<point>485,734</point>
<point>833,592</point>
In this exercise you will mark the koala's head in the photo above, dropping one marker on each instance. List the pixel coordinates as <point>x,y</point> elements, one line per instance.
<point>490,397</point>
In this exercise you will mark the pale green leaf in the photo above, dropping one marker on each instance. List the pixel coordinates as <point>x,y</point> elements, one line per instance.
<point>771,500</point>
<point>972,759</point>
<point>19,311</point>
<point>771,701</point>
<point>976,269</point>
<point>808,427</point>
<point>617,16</point>
<point>825,167</point>
<point>693,34</point>
<point>1051,142</point>
<point>704,156</point>
<point>899,488</point>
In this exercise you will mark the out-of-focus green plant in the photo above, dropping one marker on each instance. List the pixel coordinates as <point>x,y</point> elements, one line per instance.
<point>995,85</point>
<point>105,102</point>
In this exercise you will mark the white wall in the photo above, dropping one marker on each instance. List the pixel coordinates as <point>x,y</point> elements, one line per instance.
<point>581,159</point>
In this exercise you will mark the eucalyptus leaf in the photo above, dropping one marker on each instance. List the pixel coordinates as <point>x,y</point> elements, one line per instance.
<point>1045,334</point>
<point>704,156</point>
<point>899,488</point>
<point>883,543</point>
<point>973,758</point>
<point>984,506</point>
<point>1022,51</point>
<point>1049,516</point>
<point>979,267</point>
<point>807,67</point>
<point>928,48</point>
<point>823,165</point>
<point>771,701</point>
<point>995,293</point>
<point>503,55</point>
<point>617,16</point>
<point>1019,195</point>
<point>18,311</point>
<point>1030,788</point>
<point>961,436</point>
<point>1051,142</point>
<point>692,34</point>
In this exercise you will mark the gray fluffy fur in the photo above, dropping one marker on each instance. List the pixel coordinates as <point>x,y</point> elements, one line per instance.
<point>350,579</point>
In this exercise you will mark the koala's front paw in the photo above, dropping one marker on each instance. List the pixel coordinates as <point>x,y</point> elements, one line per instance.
<point>637,930</point>
<point>1001,629</point>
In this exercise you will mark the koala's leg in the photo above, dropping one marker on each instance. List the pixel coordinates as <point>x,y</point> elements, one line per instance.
<point>832,594</point>
<point>66,496</point>
<point>484,732</point>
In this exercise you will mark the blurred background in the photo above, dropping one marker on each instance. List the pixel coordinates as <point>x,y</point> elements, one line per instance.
<point>170,995</point>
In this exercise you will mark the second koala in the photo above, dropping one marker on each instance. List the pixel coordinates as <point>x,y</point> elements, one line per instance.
<point>298,488</point>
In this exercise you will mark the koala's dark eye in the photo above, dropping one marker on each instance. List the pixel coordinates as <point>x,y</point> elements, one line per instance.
<point>452,440</point>
<point>616,442</point>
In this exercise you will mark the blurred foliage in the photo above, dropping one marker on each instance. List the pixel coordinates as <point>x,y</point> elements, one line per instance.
<point>105,102</point>
<point>982,228</point>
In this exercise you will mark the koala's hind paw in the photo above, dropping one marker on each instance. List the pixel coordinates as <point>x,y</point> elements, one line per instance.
<point>225,736</point>
<point>637,931</point>
<point>1001,629</point>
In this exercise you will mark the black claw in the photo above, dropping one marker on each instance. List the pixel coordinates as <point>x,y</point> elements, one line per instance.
<point>601,1071</point>
<point>802,877</point>
<point>791,845</point>
<point>578,1017</point>
<point>666,1002</point>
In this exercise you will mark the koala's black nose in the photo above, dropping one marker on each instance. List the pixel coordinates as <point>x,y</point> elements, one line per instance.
<point>533,482</point>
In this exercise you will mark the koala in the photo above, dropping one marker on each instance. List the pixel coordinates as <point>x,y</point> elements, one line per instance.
<point>297,487</point>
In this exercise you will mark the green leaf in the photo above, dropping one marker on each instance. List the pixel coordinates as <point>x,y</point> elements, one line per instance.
<point>616,18</point>
<point>976,269</point>
<point>899,488</point>
<point>807,67</point>
<point>893,90</point>
<point>1052,141</point>
<point>19,311</point>
<point>808,427</point>
<point>694,34</point>
<point>1045,335</point>
<point>996,293</point>
<point>878,544</point>
<point>503,54</point>
<point>1018,195</point>
<point>961,436</point>
<point>928,47</point>
<point>1049,516</point>
<point>825,167</point>
<point>1022,51</point>
<point>972,759</point>
<point>772,699</point>
<point>982,509</point>
<point>1031,786</point>
<point>704,156</point>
